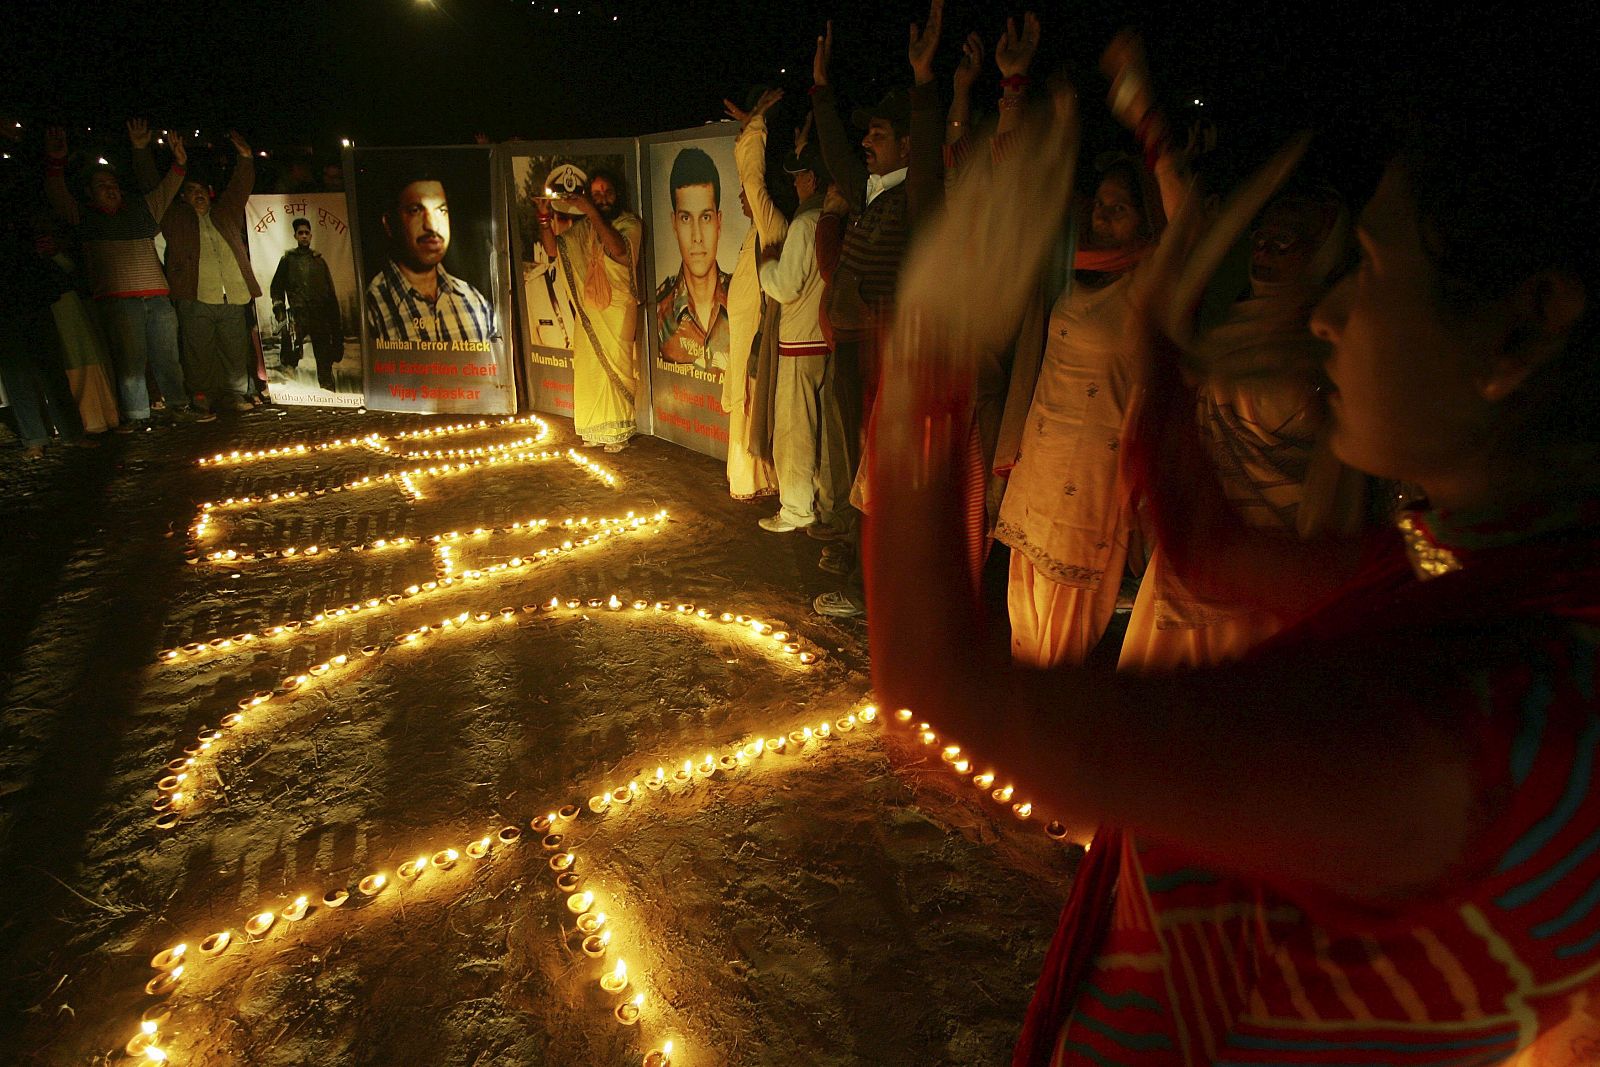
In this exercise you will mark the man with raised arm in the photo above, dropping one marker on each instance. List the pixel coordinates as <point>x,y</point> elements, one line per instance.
<point>788,274</point>
<point>208,266</point>
<point>886,194</point>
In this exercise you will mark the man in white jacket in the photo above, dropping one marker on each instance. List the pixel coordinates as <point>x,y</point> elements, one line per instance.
<point>792,278</point>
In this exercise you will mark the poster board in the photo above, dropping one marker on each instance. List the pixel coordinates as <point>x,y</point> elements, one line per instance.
<point>694,238</point>
<point>545,308</point>
<point>309,311</point>
<point>431,238</point>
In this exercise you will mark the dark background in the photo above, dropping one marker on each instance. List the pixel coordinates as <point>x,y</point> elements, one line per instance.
<point>297,75</point>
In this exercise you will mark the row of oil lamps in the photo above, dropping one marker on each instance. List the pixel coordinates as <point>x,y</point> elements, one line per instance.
<point>375,441</point>
<point>594,926</point>
<point>405,480</point>
<point>603,528</point>
<point>177,785</point>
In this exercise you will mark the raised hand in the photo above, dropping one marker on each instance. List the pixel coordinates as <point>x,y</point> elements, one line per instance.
<point>768,101</point>
<point>924,42</point>
<point>1124,63</point>
<point>239,143</point>
<point>970,64</point>
<point>736,113</point>
<point>139,133</point>
<point>823,57</point>
<point>55,142</point>
<point>180,152</point>
<point>1013,54</point>
<point>802,134</point>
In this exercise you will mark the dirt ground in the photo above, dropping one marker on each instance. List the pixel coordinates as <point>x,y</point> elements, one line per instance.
<point>850,901</point>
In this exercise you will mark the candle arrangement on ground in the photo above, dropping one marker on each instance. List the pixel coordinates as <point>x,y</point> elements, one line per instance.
<point>595,908</point>
<point>561,848</point>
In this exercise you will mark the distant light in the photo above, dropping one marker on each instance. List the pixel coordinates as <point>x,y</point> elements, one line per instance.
<point>104,162</point>
<point>262,154</point>
<point>1199,103</point>
<point>5,155</point>
<point>783,70</point>
<point>346,142</point>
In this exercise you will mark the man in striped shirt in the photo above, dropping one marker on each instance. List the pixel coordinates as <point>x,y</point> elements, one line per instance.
<point>413,298</point>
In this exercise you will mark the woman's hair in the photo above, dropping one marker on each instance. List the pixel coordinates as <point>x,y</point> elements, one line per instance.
<point>1504,177</point>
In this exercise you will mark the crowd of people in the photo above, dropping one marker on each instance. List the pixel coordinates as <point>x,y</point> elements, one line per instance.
<point>1341,791</point>
<point>99,332</point>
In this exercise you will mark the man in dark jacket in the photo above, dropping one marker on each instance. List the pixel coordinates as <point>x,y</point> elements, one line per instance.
<point>208,270</point>
<point>303,284</point>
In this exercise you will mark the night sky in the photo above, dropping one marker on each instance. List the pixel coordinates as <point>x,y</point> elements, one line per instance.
<point>388,72</point>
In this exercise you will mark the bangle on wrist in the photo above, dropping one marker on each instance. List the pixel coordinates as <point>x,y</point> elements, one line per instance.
<point>1016,81</point>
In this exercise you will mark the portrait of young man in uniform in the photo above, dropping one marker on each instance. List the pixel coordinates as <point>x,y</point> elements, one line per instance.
<point>692,305</point>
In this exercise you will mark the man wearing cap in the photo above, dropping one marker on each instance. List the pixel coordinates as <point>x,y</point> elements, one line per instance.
<point>789,276</point>
<point>859,303</point>
<point>692,305</point>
